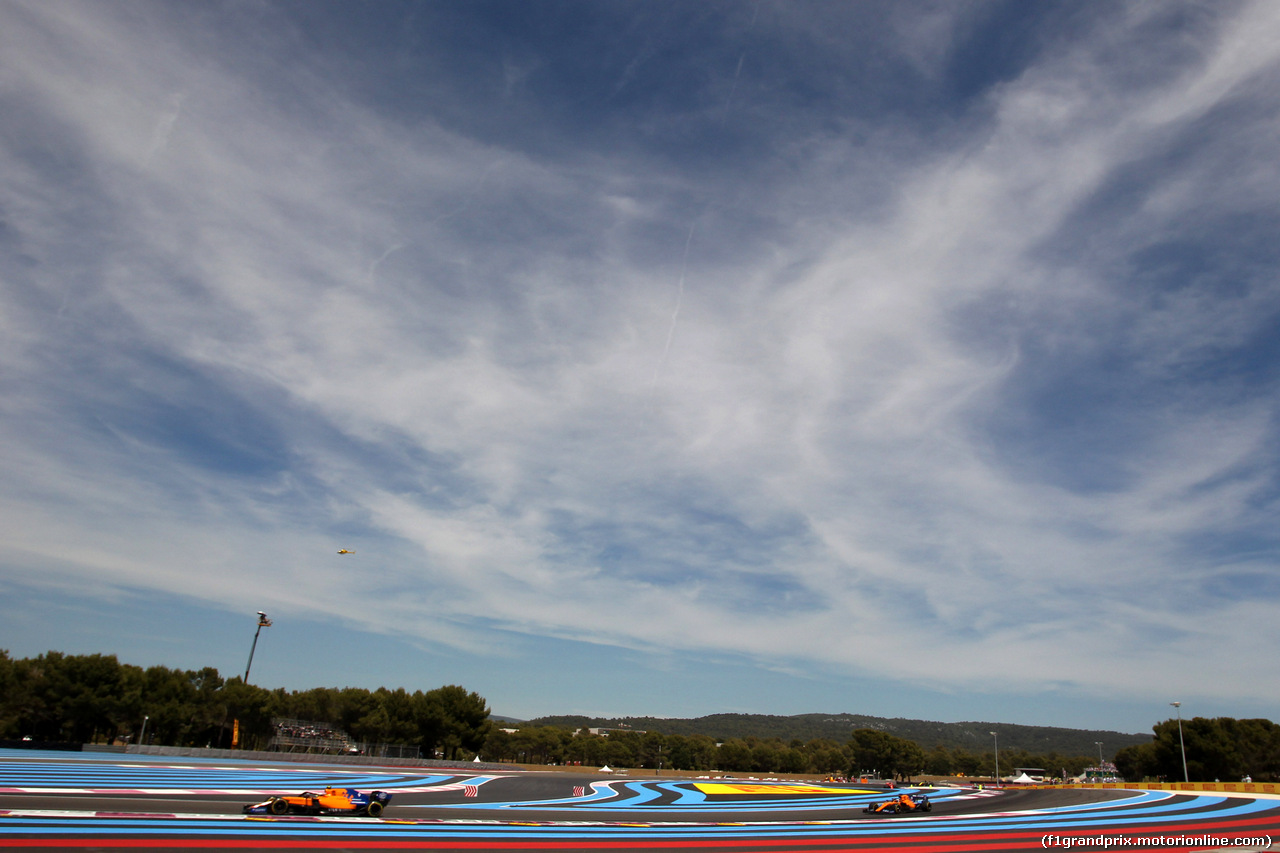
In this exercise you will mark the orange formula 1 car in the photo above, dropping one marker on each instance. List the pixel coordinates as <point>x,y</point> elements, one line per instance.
<point>902,803</point>
<point>332,801</point>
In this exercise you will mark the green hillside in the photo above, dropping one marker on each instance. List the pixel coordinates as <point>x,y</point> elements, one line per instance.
<point>971,736</point>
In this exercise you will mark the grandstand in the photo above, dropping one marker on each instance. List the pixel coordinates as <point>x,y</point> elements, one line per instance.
<point>309,737</point>
<point>312,738</point>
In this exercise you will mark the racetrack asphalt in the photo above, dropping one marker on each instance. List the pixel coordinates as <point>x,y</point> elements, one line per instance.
<point>109,803</point>
<point>551,796</point>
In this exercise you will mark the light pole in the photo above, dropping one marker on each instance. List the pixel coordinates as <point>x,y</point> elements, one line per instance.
<point>263,622</point>
<point>997,737</point>
<point>1099,744</point>
<point>1181,743</point>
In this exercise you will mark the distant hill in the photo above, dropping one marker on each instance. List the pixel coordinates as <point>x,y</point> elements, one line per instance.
<point>971,736</point>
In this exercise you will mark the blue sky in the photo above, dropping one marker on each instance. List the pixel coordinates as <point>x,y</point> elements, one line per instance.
<point>661,358</point>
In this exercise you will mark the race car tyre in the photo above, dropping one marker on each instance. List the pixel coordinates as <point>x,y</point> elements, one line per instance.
<point>278,806</point>
<point>375,809</point>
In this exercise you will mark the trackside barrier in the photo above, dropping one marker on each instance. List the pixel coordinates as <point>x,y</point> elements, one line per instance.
<point>313,758</point>
<point>1218,787</point>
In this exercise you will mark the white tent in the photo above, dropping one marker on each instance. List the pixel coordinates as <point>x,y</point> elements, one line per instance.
<point>606,769</point>
<point>1023,779</point>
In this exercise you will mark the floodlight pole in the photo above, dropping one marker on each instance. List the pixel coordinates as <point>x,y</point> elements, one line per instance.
<point>263,622</point>
<point>1181,743</point>
<point>1099,743</point>
<point>997,737</point>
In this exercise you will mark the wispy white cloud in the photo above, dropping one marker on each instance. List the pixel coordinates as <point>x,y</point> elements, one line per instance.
<point>864,375</point>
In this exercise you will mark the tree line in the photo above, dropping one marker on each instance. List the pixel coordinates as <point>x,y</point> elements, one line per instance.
<point>96,699</point>
<point>1221,749</point>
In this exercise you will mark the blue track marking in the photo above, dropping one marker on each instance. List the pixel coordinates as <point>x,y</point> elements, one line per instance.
<point>657,810</point>
<point>97,777</point>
